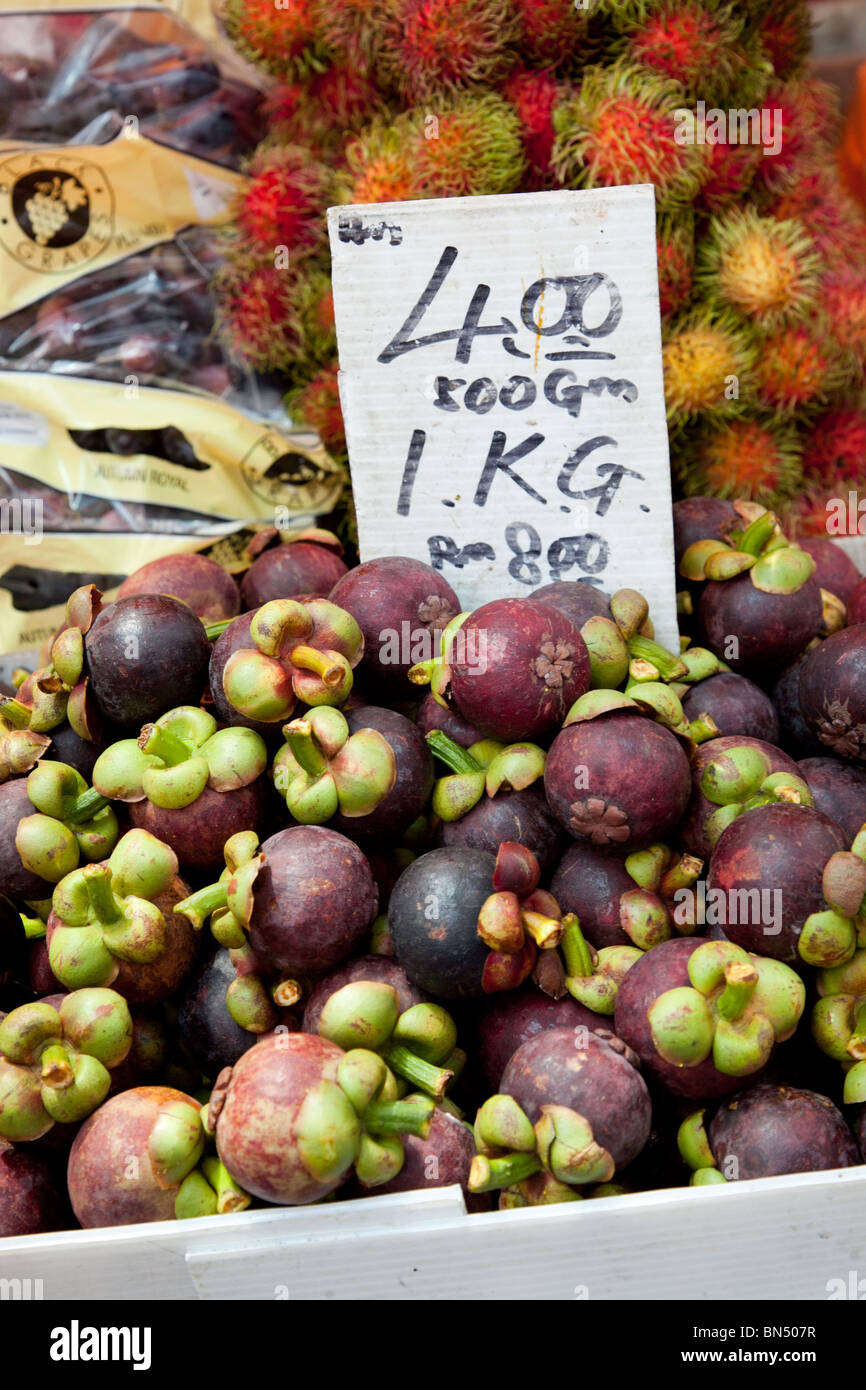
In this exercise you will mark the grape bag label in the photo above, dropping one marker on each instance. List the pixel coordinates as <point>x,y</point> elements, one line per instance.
<point>66,212</point>
<point>501,382</point>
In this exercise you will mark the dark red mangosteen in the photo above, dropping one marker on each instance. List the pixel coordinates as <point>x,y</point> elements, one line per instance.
<point>401,605</point>
<point>433,716</point>
<point>308,562</point>
<point>834,570</point>
<point>508,1020</point>
<point>200,582</point>
<point>145,654</point>
<point>377,969</point>
<point>726,773</point>
<point>516,668</point>
<point>770,1130</point>
<point>833,693</point>
<point>619,780</point>
<point>839,790</point>
<point>32,1196</point>
<point>768,868</point>
<point>735,704</point>
<point>857,603</point>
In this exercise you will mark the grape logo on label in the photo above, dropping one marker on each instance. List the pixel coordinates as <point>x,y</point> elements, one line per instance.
<point>56,210</point>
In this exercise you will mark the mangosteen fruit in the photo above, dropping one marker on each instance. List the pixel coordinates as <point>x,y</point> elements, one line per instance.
<point>198,581</point>
<point>309,564</point>
<point>834,570</point>
<point>373,969</point>
<point>701,1016</point>
<point>145,654</point>
<point>767,870</point>
<point>510,1019</point>
<point>735,704</point>
<point>402,606</point>
<point>833,693</point>
<point>839,790</point>
<point>770,1130</point>
<point>32,1199</point>
<point>593,798</point>
<point>209,1035</point>
<point>727,773</point>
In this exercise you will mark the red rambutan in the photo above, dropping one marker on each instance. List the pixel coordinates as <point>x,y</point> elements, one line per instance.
<point>699,45</point>
<point>436,46</point>
<point>675,251</point>
<point>552,33</point>
<point>805,120</point>
<point>284,200</point>
<point>533,95</point>
<point>741,458</point>
<point>784,29</point>
<point>352,30</point>
<point>732,169</point>
<point>809,512</point>
<point>844,300</point>
<point>279,38</point>
<point>834,448</point>
<point>317,405</point>
<point>315,307</point>
<point>799,368</point>
<point>836,223</point>
<point>256,316</point>
<point>323,111</point>
<point>621,127</point>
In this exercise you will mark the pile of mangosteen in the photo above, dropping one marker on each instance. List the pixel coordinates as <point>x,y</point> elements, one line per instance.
<point>292,907</point>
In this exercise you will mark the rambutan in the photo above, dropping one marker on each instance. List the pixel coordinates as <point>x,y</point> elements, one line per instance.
<point>317,405</point>
<point>621,127</point>
<point>784,29</point>
<point>435,46</point>
<point>808,513</point>
<point>804,123</point>
<point>376,167</point>
<point>766,270</point>
<point>844,300</point>
<point>314,300</point>
<point>256,317</point>
<point>705,357</point>
<point>321,112</point>
<point>284,200</point>
<point>741,458</point>
<point>471,146</point>
<point>798,368</point>
<point>533,95</point>
<point>553,33</point>
<point>282,40</point>
<point>698,44</point>
<point>675,253</point>
<point>836,223</point>
<point>353,30</point>
<point>732,169</point>
<point>835,447</point>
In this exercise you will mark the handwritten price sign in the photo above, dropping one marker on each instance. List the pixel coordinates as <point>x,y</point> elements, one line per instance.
<point>500,377</point>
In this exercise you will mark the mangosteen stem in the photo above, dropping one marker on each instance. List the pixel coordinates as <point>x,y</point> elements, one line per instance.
<point>57,1071</point>
<point>215,630</point>
<point>99,890</point>
<point>856,1045</point>
<point>546,932</point>
<point>409,1116</point>
<point>304,746</point>
<point>163,744</point>
<point>230,1197</point>
<point>451,754</point>
<point>682,874</point>
<point>287,993</point>
<point>34,927</point>
<point>488,1174</point>
<point>434,1080</point>
<point>668,666</point>
<point>309,659</point>
<point>755,536</point>
<point>86,806</point>
<point>15,712</point>
<point>200,905</point>
<point>741,978</point>
<point>575,949</point>
<point>703,728</point>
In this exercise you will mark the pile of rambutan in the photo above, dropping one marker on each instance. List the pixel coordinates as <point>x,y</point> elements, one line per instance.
<point>761,252</point>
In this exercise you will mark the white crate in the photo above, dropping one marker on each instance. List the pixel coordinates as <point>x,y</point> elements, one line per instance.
<point>774,1239</point>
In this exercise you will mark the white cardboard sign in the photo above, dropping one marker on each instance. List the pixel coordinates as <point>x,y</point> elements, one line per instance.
<point>501,383</point>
